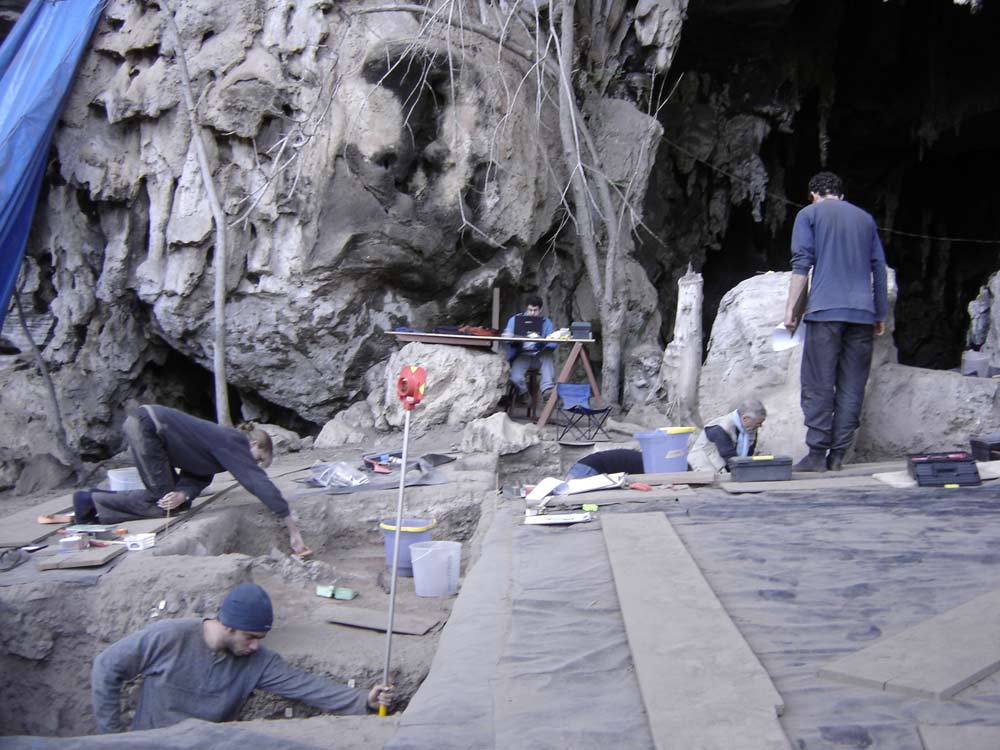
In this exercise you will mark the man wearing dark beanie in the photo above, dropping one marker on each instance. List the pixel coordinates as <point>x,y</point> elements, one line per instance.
<point>206,669</point>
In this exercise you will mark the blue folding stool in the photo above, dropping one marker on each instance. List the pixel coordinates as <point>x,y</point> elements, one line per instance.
<point>578,417</point>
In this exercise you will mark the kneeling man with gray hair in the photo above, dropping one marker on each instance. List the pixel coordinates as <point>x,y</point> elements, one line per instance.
<point>732,434</point>
<point>206,669</point>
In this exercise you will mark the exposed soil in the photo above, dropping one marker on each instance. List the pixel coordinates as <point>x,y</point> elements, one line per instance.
<point>51,628</point>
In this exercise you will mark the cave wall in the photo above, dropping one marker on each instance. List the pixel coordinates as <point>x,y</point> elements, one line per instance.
<point>371,182</point>
<point>899,98</point>
<point>369,179</point>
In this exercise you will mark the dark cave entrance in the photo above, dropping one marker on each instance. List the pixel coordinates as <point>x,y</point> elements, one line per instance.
<point>191,388</point>
<point>905,97</point>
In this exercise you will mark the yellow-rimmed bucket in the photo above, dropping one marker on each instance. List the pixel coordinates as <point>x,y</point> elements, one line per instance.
<point>665,449</point>
<point>411,530</point>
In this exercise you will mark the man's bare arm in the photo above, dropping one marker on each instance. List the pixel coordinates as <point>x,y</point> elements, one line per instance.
<point>797,290</point>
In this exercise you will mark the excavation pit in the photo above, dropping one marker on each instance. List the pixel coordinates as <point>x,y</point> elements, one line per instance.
<point>53,625</point>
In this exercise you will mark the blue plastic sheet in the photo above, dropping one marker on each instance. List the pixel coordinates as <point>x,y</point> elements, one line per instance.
<point>38,60</point>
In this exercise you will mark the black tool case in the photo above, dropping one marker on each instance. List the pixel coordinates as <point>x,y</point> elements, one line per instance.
<point>940,469</point>
<point>760,468</point>
<point>986,448</point>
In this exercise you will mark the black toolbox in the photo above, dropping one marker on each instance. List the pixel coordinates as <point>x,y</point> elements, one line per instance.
<point>986,448</point>
<point>760,468</point>
<point>942,469</point>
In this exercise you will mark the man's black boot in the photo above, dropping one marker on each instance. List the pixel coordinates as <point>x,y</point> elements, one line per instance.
<point>815,461</point>
<point>835,459</point>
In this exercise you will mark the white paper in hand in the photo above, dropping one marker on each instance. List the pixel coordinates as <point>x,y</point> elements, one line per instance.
<point>781,339</point>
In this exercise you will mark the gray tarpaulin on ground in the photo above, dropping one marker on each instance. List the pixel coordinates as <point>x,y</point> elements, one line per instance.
<point>813,576</point>
<point>534,654</point>
<point>191,733</point>
<point>420,473</point>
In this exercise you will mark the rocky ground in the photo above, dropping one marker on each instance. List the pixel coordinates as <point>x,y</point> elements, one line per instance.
<point>51,629</point>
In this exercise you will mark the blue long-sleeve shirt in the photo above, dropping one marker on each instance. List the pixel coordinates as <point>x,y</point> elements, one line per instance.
<point>516,347</point>
<point>200,449</point>
<point>840,243</point>
<point>184,678</point>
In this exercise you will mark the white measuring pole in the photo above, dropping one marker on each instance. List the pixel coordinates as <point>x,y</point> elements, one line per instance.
<point>395,553</point>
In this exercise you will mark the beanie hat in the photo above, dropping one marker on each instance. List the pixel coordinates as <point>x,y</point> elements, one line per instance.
<point>247,607</point>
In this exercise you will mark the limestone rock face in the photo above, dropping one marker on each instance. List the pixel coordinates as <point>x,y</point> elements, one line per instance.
<point>367,183</point>
<point>906,409</point>
<point>912,409</point>
<point>349,427</point>
<point>741,363</point>
<point>498,435</point>
<point>463,384</point>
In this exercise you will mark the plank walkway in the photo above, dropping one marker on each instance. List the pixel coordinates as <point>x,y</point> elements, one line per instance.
<point>938,658</point>
<point>702,685</point>
<point>22,528</point>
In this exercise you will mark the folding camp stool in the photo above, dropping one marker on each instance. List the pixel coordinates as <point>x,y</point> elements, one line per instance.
<point>578,418</point>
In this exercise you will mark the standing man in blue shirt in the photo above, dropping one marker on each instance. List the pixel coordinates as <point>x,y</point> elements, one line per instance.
<point>846,307</point>
<point>525,355</point>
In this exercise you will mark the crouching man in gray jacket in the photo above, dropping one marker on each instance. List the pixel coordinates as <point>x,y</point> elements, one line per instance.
<point>206,669</point>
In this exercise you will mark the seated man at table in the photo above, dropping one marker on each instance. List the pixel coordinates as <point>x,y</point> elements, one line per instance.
<point>530,355</point>
<point>732,434</point>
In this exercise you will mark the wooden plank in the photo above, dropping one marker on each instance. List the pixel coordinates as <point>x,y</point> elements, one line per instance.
<point>829,481</point>
<point>938,658</point>
<point>701,684</point>
<point>675,477</point>
<point>21,528</point>
<point>377,619</point>
<point>614,497</point>
<point>87,558</point>
<point>854,470</point>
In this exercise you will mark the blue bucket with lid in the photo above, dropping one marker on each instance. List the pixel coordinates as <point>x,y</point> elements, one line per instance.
<point>411,530</point>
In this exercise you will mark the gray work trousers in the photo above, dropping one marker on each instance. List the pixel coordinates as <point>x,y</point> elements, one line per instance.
<point>835,364</point>
<point>153,463</point>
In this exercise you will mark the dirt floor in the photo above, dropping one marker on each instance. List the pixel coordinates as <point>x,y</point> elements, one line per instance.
<point>53,623</point>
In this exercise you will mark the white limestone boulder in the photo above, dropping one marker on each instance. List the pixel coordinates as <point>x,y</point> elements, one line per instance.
<point>350,427</point>
<point>741,362</point>
<point>498,435</point>
<point>914,410</point>
<point>463,384</point>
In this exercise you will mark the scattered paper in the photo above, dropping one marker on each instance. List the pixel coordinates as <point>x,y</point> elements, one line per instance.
<point>553,486</point>
<point>544,488</point>
<point>781,339</point>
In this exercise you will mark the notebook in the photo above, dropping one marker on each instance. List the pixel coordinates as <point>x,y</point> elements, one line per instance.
<point>526,325</point>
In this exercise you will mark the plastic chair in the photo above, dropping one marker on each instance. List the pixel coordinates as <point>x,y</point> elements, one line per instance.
<point>580,419</point>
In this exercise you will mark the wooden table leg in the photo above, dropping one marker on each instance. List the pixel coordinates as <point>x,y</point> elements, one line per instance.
<point>595,391</point>
<point>579,351</point>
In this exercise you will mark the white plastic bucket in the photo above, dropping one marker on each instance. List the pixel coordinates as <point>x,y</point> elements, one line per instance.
<point>121,480</point>
<point>436,567</point>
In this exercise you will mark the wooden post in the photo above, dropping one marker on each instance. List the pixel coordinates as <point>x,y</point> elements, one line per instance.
<point>680,368</point>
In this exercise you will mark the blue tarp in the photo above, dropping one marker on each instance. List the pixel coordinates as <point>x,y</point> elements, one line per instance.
<point>38,60</point>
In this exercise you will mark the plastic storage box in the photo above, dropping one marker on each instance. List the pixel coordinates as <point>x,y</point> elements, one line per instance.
<point>665,449</point>
<point>580,330</point>
<point>760,468</point>
<point>986,448</point>
<point>956,468</point>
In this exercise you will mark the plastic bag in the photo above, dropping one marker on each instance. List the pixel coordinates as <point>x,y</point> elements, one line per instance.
<point>339,474</point>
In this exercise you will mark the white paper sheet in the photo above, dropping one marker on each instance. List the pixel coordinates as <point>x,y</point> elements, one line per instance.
<point>554,486</point>
<point>781,339</point>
